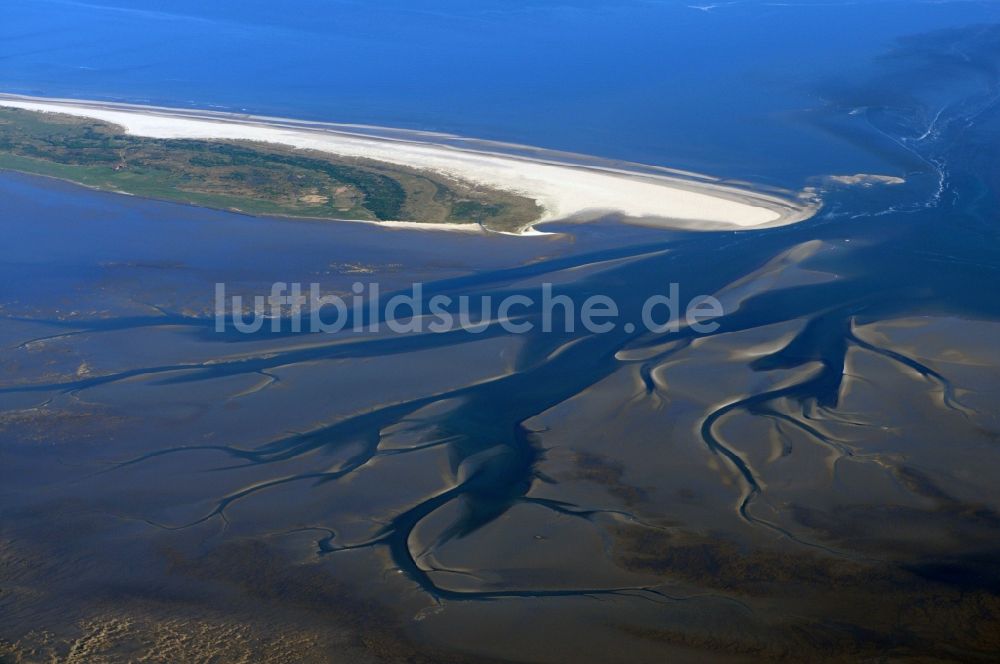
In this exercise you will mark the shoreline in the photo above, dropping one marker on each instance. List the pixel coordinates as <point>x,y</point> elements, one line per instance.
<point>566,191</point>
<point>470,228</point>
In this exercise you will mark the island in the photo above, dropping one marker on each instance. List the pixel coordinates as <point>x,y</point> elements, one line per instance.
<point>257,178</point>
<point>281,167</point>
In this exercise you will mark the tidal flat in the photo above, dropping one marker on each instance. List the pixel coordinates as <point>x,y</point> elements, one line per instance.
<point>175,490</point>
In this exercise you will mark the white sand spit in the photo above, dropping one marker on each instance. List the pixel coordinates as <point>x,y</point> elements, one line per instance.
<point>564,190</point>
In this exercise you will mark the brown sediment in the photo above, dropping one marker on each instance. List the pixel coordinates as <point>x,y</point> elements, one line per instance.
<point>811,605</point>
<point>608,473</point>
<point>240,602</point>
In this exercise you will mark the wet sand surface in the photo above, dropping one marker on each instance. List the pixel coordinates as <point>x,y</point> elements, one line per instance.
<point>801,481</point>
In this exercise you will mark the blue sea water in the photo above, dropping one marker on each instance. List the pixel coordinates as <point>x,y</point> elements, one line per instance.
<point>708,86</point>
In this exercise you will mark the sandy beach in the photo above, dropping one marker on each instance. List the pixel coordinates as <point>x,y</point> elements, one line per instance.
<point>564,190</point>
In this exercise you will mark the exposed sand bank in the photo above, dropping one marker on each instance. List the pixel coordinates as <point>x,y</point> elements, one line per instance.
<point>563,189</point>
<point>865,179</point>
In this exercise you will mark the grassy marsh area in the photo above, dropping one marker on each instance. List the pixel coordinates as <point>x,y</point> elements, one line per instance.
<point>255,178</point>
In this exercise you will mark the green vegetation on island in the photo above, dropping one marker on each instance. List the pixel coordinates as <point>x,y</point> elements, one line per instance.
<point>256,178</point>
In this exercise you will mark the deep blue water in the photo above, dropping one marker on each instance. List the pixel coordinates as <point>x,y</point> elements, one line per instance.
<point>658,82</point>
